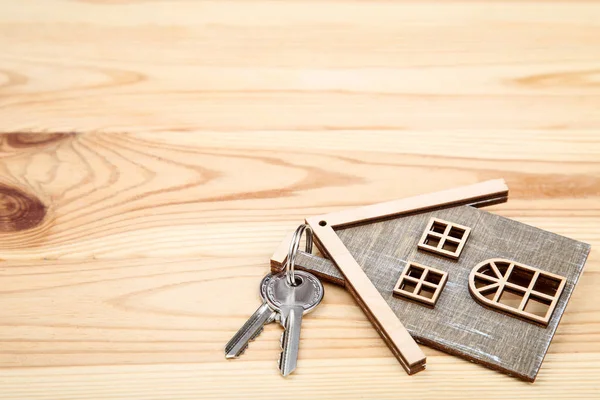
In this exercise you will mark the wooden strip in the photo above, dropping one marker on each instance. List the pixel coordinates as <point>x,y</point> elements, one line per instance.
<point>429,285</point>
<point>490,193</point>
<point>508,272</point>
<point>472,193</point>
<point>440,286</point>
<point>410,369</point>
<point>497,271</point>
<point>489,287</point>
<point>418,287</point>
<point>489,202</point>
<point>542,295</point>
<point>389,327</point>
<point>499,292</point>
<point>486,277</point>
<point>428,232</point>
<point>279,258</point>
<point>529,289</point>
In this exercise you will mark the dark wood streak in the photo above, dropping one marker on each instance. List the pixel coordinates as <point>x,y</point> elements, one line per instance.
<point>19,210</point>
<point>567,79</point>
<point>20,140</point>
<point>13,79</point>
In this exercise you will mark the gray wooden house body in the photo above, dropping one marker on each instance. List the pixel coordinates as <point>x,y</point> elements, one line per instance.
<point>458,324</point>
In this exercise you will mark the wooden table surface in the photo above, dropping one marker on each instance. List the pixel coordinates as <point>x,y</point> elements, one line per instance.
<point>179,141</point>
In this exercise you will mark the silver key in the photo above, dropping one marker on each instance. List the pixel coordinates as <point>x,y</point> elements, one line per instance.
<point>253,327</point>
<point>291,302</point>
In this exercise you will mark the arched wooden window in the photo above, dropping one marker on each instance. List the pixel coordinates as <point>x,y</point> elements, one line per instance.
<point>517,289</point>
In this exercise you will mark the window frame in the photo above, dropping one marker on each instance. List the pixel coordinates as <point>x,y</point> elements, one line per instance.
<point>419,283</point>
<point>501,283</point>
<point>444,237</point>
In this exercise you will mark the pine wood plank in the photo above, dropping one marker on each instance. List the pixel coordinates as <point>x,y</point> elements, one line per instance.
<point>333,105</point>
<point>381,377</point>
<point>102,312</point>
<point>286,65</point>
<point>110,195</point>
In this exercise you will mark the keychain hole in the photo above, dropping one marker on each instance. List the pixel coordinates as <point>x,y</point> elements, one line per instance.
<point>298,280</point>
<point>323,223</point>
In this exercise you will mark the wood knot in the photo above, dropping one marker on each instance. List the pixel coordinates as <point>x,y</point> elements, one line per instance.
<point>19,210</point>
<point>23,140</point>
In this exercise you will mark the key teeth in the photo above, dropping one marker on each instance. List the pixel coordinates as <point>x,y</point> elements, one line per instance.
<point>249,331</point>
<point>280,363</point>
<point>258,332</point>
<point>243,350</point>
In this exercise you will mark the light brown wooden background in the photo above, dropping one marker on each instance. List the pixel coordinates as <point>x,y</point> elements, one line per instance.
<point>129,260</point>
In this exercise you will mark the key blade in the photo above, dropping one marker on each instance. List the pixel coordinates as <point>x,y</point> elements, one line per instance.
<point>249,331</point>
<point>290,341</point>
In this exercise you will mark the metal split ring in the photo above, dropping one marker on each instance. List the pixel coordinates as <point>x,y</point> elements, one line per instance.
<point>293,251</point>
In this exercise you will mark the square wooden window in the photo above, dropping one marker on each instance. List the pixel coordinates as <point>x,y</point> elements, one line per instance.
<point>420,283</point>
<point>444,238</point>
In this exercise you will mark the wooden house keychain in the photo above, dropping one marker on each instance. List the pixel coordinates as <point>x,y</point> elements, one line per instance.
<point>286,296</point>
<point>456,278</point>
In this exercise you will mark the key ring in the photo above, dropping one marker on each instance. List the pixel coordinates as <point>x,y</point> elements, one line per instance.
<point>290,263</point>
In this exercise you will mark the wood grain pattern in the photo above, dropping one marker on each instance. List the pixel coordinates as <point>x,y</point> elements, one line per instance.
<point>183,140</point>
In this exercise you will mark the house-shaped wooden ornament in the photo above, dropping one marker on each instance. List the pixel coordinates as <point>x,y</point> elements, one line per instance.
<point>459,279</point>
